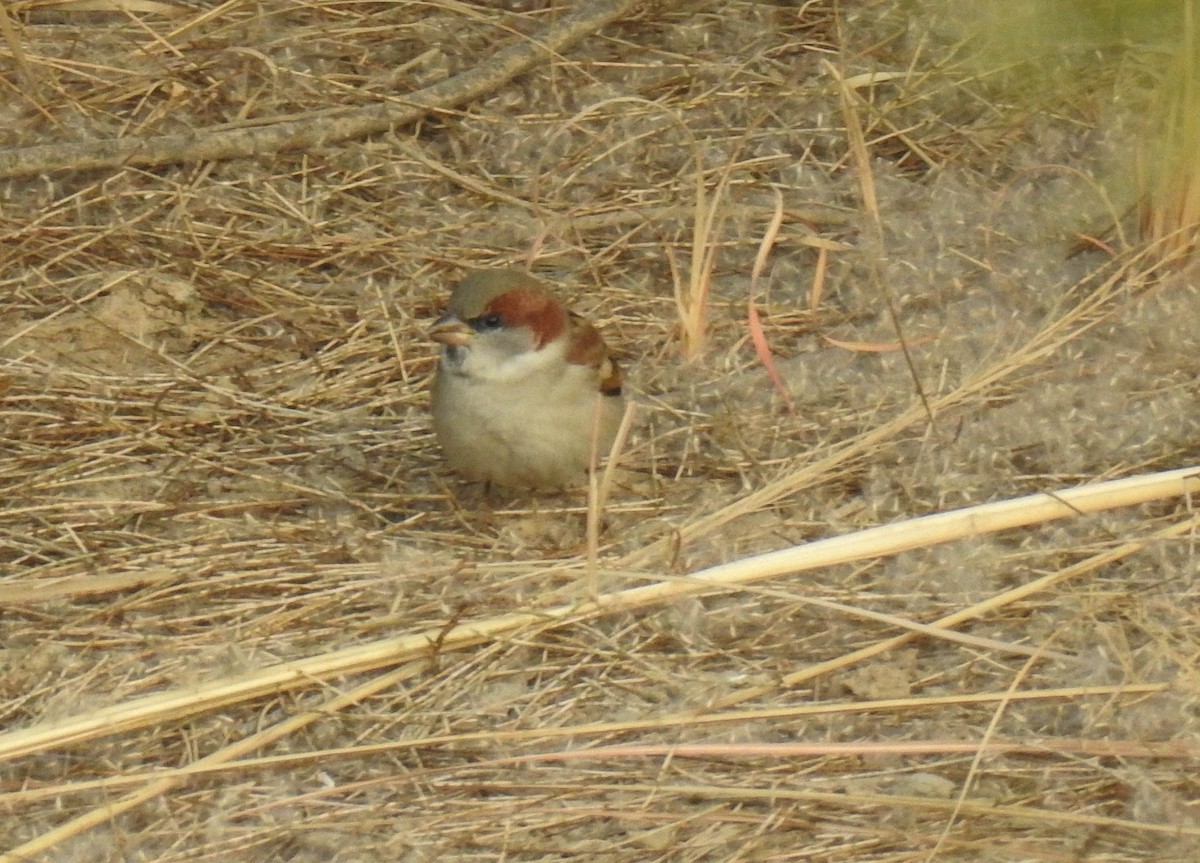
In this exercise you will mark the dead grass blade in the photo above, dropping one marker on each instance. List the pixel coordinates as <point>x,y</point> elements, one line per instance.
<point>754,321</point>
<point>1007,598</point>
<point>893,803</point>
<point>160,785</point>
<point>872,543</point>
<point>850,103</point>
<point>579,732</point>
<point>1070,325</point>
<point>319,129</point>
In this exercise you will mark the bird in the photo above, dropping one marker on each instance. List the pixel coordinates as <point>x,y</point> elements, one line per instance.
<point>525,393</point>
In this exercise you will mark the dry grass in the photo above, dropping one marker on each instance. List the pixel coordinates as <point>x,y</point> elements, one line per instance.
<point>1170,213</point>
<point>248,615</point>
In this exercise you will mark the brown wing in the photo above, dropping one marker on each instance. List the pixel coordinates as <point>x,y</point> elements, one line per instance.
<point>588,349</point>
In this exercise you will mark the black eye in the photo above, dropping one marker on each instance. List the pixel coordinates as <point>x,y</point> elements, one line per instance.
<point>490,321</point>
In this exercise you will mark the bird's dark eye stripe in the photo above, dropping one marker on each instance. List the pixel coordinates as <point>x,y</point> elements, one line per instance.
<point>490,321</point>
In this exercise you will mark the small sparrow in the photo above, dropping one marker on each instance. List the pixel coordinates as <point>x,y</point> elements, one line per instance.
<point>525,390</point>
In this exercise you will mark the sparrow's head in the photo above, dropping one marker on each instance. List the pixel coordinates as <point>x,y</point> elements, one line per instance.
<point>501,325</point>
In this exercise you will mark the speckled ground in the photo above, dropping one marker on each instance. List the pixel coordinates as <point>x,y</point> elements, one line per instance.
<point>216,456</point>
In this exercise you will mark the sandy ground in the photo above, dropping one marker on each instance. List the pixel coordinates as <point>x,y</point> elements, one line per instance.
<point>249,615</point>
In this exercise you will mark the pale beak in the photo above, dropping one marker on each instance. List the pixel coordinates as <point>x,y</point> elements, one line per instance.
<point>449,330</point>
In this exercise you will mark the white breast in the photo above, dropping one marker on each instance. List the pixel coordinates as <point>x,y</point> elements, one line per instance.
<point>534,430</point>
